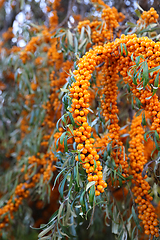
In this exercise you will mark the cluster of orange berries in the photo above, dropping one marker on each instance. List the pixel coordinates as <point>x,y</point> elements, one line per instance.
<point>110,111</point>
<point>112,17</point>
<point>44,37</point>
<point>149,50</point>
<point>102,31</point>
<point>148,17</point>
<point>8,34</point>
<point>141,186</point>
<point>13,203</point>
<point>53,5</point>
<point>30,48</point>
<point>79,109</point>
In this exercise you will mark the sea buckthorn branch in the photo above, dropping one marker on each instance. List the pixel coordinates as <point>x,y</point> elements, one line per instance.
<point>148,17</point>
<point>103,30</point>
<point>141,186</point>
<point>79,110</point>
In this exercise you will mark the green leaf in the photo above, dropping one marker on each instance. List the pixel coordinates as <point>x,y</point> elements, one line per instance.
<point>82,43</point>
<point>62,137</point>
<point>45,231</point>
<point>132,237</point>
<point>64,119</point>
<point>76,174</point>
<point>57,145</point>
<point>121,49</point>
<point>138,60</point>
<point>134,78</point>
<point>128,88</point>
<point>79,157</point>
<point>60,210</point>
<point>64,90</point>
<point>82,34</point>
<point>139,7</point>
<point>45,238</point>
<point>156,143</point>
<point>82,199</point>
<point>125,48</point>
<point>21,4</point>
<point>147,133</point>
<point>145,74</point>
<point>156,82</point>
<point>65,144</point>
<point>105,153</point>
<point>131,24</point>
<point>156,135</point>
<point>136,219</point>
<point>75,45</point>
<point>92,194</point>
<point>132,57</point>
<point>95,165</point>
<point>143,119</point>
<point>57,32</point>
<point>62,184</point>
<point>154,69</point>
<point>138,102</point>
<point>70,37</point>
<point>88,30</point>
<point>72,119</point>
<point>138,13</point>
<point>129,177</point>
<point>57,124</point>
<point>70,126</point>
<point>90,184</point>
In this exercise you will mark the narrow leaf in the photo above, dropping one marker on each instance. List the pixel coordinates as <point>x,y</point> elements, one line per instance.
<point>136,218</point>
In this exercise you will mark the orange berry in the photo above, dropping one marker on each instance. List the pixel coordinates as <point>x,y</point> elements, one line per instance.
<point>91,169</point>
<point>96,157</point>
<point>95,178</point>
<point>77,139</point>
<point>105,185</point>
<point>82,156</point>
<point>90,156</point>
<point>83,138</point>
<point>100,188</point>
<point>90,178</point>
<point>97,193</point>
<point>85,124</point>
<point>80,146</point>
<point>92,140</point>
<point>81,113</point>
<point>100,177</point>
<point>86,165</point>
<point>147,232</point>
<point>81,129</point>
<point>76,111</point>
<point>83,119</point>
<point>88,129</point>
